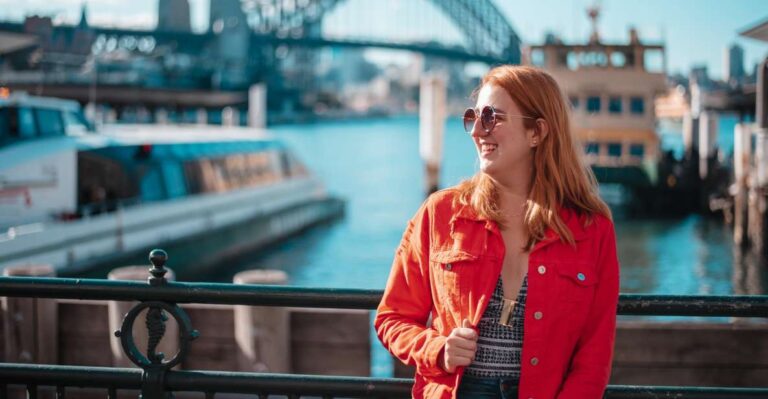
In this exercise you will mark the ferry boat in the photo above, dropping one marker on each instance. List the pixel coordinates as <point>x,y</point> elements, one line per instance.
<point>76,197</point>
<point>611,88</point>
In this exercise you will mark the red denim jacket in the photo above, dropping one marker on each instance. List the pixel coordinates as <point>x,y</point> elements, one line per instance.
<point>447,265</point>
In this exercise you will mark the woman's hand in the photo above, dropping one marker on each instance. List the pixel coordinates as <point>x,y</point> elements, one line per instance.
<point>460,347</point>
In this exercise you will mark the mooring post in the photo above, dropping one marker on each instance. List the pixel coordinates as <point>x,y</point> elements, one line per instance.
<point>431,127</point>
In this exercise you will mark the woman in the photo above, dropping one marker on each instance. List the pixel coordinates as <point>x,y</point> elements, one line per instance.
<point>516,266</point>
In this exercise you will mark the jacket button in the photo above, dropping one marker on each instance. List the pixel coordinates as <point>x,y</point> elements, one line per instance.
<point>542,269</point>
<point>538,315</point>
<point>534,361</point>
<point>448,266</point>
<point>581,277</point>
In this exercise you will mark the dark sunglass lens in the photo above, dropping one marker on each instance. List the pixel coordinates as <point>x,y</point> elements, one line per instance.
<point>469,120</point>
<point>487,118</point>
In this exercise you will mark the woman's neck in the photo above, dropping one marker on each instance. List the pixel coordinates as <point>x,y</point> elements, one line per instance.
<point>513,199</point>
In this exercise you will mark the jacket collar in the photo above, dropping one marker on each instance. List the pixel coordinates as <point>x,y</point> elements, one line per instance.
<point>571,218</point>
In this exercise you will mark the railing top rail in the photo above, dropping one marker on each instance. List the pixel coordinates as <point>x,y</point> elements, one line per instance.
<point>342,298</point>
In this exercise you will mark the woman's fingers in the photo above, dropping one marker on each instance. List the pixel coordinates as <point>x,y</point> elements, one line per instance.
<point>466,333</point>
<point>464,343</point>
<point>461,346</point>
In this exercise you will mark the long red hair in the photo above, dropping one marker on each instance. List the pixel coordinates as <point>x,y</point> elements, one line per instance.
<point>560,176</point>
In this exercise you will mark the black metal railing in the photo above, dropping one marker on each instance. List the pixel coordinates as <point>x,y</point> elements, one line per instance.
<point>155,379</point>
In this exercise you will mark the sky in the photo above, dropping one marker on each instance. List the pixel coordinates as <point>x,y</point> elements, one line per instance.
<point>695,32</point>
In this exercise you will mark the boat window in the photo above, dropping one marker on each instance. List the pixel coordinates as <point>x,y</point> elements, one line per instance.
<point>230,172</point>
<point>574,102</point>
<point>5,125</point>
<point>26,123</point>
<point>653,60</point>
<point>637,150</point>
<point>537,57</point>
<point>152,185</point>
<point>592,147</point>
<point>636,105</point>
<point>173,174</point>
<point>614,149</point>
<point>50,122</point>
<point>618,59</point>
<point>103,182</point>
<point>593,104</point>
<point>572,61</point>
<point>614,104</point>
<point>75,123</point>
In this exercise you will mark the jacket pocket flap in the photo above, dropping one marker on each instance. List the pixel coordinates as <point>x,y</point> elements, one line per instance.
<point>450,256</point>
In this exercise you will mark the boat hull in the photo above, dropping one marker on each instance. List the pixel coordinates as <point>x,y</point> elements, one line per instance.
<point>73,247</point>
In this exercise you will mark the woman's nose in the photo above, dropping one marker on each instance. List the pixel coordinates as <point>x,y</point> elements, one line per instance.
<point>477,130</point>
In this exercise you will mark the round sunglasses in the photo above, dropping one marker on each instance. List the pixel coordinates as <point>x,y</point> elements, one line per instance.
<point>488,118</point>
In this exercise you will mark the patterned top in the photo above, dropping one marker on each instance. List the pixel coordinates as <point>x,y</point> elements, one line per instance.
<point>500,347</point>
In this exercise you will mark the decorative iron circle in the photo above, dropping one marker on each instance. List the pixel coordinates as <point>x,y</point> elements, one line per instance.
<point>186,335</point>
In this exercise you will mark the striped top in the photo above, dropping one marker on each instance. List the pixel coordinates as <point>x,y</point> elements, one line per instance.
<point>499,347</point>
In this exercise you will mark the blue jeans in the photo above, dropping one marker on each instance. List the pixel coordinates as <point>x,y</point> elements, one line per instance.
<point>487,388</point>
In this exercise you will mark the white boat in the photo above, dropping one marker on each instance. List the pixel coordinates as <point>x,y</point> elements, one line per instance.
<point>74,197</point>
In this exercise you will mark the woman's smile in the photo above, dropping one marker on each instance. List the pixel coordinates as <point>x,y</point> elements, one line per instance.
<point>487,148</point>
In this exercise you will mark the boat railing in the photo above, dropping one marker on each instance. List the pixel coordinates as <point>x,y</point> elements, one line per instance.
<point>107,206</point>
<point>159,297</point>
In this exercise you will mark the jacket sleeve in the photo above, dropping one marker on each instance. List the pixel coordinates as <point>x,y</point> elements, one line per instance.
<point>590,368</point>
<point>402,315</point>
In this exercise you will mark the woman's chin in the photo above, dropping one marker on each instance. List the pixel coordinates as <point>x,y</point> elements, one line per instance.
<point>487,166</point>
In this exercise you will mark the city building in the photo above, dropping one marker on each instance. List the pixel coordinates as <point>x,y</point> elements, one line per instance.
<point>733,64</point>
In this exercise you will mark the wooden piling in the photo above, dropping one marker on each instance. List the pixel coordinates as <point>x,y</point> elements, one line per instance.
<point>257,106</point>
<point>742,154</point>
<point>431,127</point>
<point>707,141</point>
<point>263,332</point>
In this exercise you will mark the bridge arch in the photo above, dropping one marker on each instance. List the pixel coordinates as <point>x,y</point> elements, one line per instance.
<point>489,34</point>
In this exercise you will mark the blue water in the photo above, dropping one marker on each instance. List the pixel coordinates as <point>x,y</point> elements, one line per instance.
<point>375,165</point>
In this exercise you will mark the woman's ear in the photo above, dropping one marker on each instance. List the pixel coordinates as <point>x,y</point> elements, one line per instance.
<point>540,131</point>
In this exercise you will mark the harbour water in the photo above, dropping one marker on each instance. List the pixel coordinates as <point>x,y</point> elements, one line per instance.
<point>375,165</point>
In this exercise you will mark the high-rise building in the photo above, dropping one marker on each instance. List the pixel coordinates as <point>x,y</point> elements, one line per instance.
<point>230,25</point>
<point>733,63</point>
<point>700,75</point>
<point>173,15</point>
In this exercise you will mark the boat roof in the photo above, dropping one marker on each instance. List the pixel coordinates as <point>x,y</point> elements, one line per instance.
<point>758,31</point>
<point>16,98</point>
<point>179,141</point>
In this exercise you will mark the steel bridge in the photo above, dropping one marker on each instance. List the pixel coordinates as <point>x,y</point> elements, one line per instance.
<point>489,37</point>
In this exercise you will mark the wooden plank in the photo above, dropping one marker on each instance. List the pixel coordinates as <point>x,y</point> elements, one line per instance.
<point>84,335</point>
<point>691,344</point>
<point>330,342</point>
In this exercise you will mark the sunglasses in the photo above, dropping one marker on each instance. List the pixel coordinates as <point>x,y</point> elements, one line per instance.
<point>488,118</point>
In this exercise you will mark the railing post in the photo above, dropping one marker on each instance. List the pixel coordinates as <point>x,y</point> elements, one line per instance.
<point>154,364</point>
<point>118,309</point>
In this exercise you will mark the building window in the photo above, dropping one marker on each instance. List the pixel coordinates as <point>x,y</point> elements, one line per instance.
<point>637,105</point>
<point>593,104</point>
<point>614,149</point>
<point>637,150</point>
<point>614,105</point>
<point>592,148</point>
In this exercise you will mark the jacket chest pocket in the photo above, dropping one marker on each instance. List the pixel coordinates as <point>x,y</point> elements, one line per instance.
<point>453,272</point>
<point>576,281</point>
